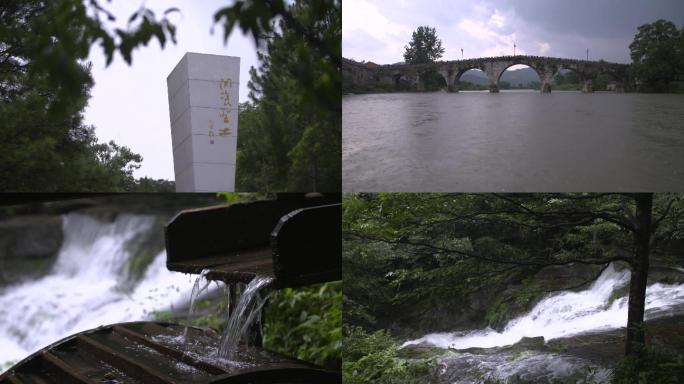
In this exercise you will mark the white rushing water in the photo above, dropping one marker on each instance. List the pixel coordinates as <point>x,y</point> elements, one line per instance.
<point>86,288</point>
<point>567,314</point>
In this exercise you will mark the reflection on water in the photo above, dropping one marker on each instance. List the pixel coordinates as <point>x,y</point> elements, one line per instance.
<point>513,141</point>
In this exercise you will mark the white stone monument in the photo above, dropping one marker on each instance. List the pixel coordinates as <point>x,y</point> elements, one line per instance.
<point>203,104</point>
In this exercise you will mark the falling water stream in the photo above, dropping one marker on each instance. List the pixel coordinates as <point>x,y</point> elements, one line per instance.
<point>196,292</point>
<point>558,315</point>
<point>246,312</point>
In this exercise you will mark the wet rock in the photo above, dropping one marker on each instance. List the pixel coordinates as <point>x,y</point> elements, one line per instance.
<point>608,347</point>
<point>420,351</point>
<point>530,343</point>
<point>666,269</point>
<point>28,246</point>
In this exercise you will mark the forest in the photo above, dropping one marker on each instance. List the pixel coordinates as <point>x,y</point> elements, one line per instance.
<point>290,128</point>
<point>513,288</point>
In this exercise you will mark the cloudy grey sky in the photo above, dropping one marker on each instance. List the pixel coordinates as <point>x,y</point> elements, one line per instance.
<point>378,30</point>
<point>129,103</point>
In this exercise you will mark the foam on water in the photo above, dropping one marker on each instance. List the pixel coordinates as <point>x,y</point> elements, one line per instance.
<point>567,314</point>
<point>86,287</point>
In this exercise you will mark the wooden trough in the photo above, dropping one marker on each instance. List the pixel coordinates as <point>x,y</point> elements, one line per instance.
<point>295,239</point>
<point>150,352</point>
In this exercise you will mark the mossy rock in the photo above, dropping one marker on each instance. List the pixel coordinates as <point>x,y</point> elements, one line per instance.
<point>528,343</point>
<point>420,352</point>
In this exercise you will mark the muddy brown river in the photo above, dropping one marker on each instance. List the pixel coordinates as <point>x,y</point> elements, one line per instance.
<point>513,141</point>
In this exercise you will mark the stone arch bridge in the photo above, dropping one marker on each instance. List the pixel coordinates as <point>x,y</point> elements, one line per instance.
<point>369,75</point>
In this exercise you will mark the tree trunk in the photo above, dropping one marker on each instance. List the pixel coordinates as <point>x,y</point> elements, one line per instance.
<point>637,285</point>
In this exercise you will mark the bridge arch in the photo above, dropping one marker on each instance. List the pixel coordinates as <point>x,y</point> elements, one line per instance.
<point>463,71</point>
<point>513,64</point>
<point>568,74</point>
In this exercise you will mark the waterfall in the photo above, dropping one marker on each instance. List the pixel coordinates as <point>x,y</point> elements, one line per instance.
<point>568,313</point>
<point>88,286</point>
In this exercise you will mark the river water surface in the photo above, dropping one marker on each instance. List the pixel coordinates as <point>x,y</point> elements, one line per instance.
<point>513,141</point>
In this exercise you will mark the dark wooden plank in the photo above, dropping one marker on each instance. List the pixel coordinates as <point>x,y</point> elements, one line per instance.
<point>12,379</point>
<point>212,231</point>
<point>174,353</point>
<point>307,246</point>
<point>35,378</point>
<point>66,373</point>
<point>233,267</point>
<point>227,258</point>
<point>120,361</point>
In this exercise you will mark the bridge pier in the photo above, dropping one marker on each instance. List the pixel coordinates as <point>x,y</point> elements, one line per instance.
<point>418,82</point>
<point>452,85</point>
<point>588,86</point>
<point>546,77</point>
<point>449,77</point>
<point>493,72</point>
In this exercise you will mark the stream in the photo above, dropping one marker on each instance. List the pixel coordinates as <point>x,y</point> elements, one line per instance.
<point>472,355</point>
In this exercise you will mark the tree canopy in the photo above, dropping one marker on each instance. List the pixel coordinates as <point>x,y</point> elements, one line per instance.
<point>44,88</point>
<point>424,47</point>
<point>288,141</point>
<point>657,54</point>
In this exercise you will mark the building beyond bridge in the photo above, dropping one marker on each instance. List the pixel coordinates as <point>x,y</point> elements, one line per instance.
<point>370,76</point>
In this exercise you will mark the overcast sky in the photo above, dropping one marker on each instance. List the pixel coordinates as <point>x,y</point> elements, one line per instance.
<point>129,104</point>
<point>377,30</point>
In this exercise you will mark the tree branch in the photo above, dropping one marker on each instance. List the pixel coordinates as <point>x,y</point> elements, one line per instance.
<point>489,259</point>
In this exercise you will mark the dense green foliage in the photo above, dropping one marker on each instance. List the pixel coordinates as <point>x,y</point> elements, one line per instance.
<point>567,81</point>
<point>44,145</point>
<point>657,55</point>
<point>290,135</point>
<point>306,323</point>
<point>50,39</point>
<point>41,151</point>
<point>374,358</point>
<point>312,31</point>
<point>424,47</point>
